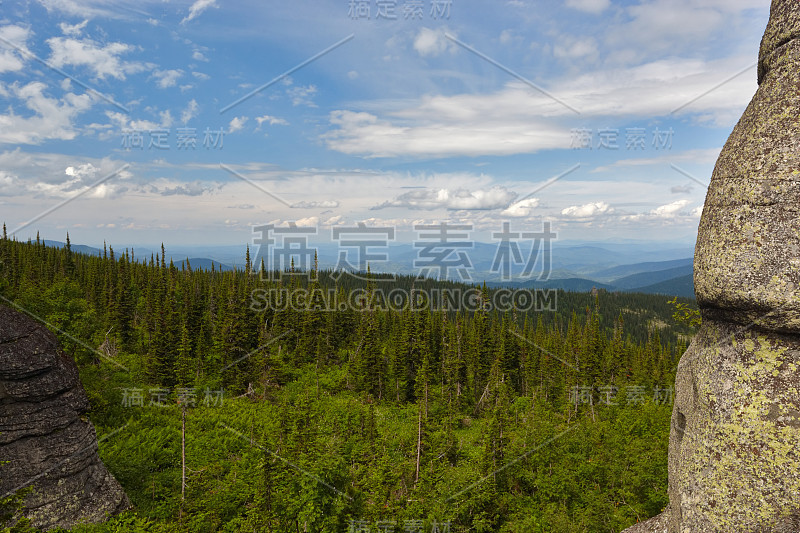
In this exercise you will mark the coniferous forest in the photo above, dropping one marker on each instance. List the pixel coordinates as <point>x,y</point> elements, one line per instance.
<point>218,411</point>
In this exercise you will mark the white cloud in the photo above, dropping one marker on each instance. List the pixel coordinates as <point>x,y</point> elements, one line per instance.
<point>589,6</point>
<point>11,60</point>
<point>672,27</point>
<point>236,124</point>
<point>517,120</point>
<point>307,222</point>
<point>190,112</point>
<point>73,30</point>
<point>197,55</point>
<point>523,208</point>
<point>334,221</point>
<point>195,188</point>
<point>430,42</point>
<point>302,95</point>
<point>97,8</point>
<point>167,78</point>
<point>197,9</point>
<point>82,175</point>
<point>589,210</point>
<point>506,36</point>
<point>699,156</point>
<point>166,118</point>
<point>323,204</point>
<point>102,60</point>
<point>272,121</point>
<point>493,198</point>
<point>51,119</point>
<point>570,47</point>
<point>201,76</point>
<point>441,127</point>
<point>124,122</point>
<point>668,211</point>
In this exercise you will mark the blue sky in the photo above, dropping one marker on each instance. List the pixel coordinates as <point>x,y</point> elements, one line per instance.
<point>463,112</point>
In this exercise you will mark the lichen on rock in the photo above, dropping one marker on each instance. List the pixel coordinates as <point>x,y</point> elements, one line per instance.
<point>47,446</point>
<point>734,453</point>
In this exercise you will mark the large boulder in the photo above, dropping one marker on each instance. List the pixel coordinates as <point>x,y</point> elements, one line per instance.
<point>734,451</point>
<point>46,442</point>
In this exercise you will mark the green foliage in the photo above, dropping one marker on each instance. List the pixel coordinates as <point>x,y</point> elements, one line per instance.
<point>685,314</point>
<point>359,414</point>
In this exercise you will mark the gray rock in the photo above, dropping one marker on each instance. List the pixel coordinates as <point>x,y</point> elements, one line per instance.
<point>50,447</point>
<point>734,453</point>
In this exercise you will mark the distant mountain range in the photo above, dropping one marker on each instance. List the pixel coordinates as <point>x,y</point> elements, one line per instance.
<point>577,266</point>
<point>144,254</point>
<point>648,277</point>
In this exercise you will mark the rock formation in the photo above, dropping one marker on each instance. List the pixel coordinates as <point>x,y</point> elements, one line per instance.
<point>734,451</point>
<point>50,447</point>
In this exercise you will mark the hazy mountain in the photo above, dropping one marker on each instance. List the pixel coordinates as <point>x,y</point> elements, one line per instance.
<point>644,279</point>
<point>682,286</point>
<point>575,266</point>
<point>617,272</point>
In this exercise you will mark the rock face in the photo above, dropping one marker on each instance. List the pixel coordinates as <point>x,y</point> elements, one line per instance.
<point>49,446</point>
<point>734,453</point>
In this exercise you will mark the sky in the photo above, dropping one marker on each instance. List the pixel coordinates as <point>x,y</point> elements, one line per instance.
<point>192,122</point>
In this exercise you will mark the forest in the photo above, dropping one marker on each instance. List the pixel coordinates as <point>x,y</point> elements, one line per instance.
<point>217,414</point>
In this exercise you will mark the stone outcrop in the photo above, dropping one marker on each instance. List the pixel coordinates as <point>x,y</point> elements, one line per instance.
<point>48,443</point>
<point>734,451</point>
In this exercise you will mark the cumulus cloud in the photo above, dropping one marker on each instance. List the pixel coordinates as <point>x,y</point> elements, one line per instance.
<point>308,222</point>
<point>323,204</point>
<point>272,121</point>
<point>493,198</point>
<point>167,78</point>
<point>187,189</point>
<point>101,60</point>
<point>301,95</point>
<point>124,122</point>
<point>670,211</point>
<point>523,208</point>
<point>589,210</point>
<point>197,9</point>
<point>73,30</point>
<point>10,59</point>
<point>190,112</point>
<point>52,118</point>
<point>80,177</point>
<point>236,124</point>
<point>430,42</point>
<point>334,221</point>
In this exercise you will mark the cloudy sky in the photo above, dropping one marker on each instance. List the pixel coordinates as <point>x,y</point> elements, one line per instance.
<point>188,123</point>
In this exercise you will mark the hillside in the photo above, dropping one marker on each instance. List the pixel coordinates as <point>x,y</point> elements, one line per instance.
<point>295,415</point>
